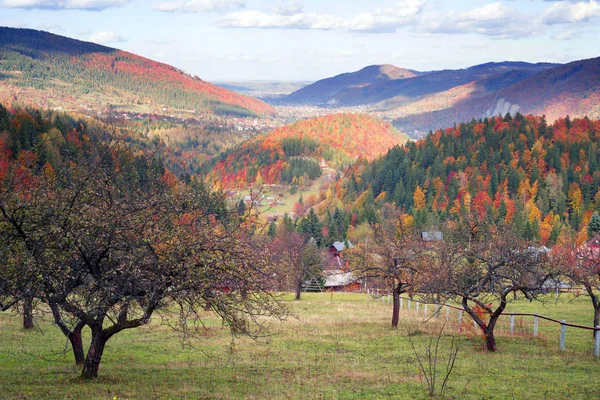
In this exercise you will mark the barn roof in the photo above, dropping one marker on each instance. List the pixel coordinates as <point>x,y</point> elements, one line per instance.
<point>594,242</point>
<point>341,246</point>
<point>432,236</point>
<point>339,278</point>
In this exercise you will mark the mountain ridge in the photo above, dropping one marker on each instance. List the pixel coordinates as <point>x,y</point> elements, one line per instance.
<point>569,89</point>
<point>66,71</point>
<point>413,86</point>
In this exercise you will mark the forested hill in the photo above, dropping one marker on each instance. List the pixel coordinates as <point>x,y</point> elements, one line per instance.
<point>45,70</point>
<point>294,151</point>
<point>516,170</point>
<point>38,142</point>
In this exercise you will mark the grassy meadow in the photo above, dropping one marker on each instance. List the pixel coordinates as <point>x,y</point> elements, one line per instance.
<point>339,346</point>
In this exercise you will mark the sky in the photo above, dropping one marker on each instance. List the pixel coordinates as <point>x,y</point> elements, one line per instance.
<point>307,40</point>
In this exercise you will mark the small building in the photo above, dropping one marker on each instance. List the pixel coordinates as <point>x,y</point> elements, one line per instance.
<point>340,281</point>
<point>335,261</point>
<point>337,247</point>
<point>593,243</point>
<point>432,236</point>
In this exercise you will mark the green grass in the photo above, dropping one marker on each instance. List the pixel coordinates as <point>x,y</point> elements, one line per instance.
<point>339,347</point>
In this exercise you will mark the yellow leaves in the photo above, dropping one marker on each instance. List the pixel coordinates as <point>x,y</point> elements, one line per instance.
<point>404,225</point>
<point>49,172</point>
<point>329,194</point>
<point>533,191</point>
<point>419,199</point>
<point>575,197</point>
<point>467,202</point>
<point>169,179</point>
<point>381,197</point>
<point>533,212</point>
<point>582,237</point>
<point>456,207</point>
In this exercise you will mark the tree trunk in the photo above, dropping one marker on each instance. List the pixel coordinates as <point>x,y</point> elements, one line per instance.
<point>94,355</point>
<point>396,309</point>
<point>298,288</point>
<point>74,335</point>
<point>77,343</point>
<point>490,340</point>
<point>28,313</point>
<point>488,330</point>
<point>596,304</point>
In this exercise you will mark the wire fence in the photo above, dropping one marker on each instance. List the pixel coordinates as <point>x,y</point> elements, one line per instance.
<point>513,325</point>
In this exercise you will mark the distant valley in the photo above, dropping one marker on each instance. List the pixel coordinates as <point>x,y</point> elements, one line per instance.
<point>264,89</point>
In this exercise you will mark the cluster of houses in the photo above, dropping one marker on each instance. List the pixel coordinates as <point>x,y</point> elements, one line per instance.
<point>337,275</point>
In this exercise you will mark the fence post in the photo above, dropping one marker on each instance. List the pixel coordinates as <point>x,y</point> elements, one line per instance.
<point>401,303</point>
<point>367,293</point>
<point>425,310</point>
<point>597,341</point>
<point>460,312</point>
<point>418,306</point>
<point>535,325</point>
<point>447,313</point>
<point>563,334</point>
<point>437,310</point>
<point>408,304</point>
<point>512,324</point>
<point>388,298</point>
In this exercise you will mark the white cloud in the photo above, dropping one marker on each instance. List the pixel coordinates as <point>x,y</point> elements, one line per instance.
<point>289,8</point>
<point>383,20</point>
<point>494,20</point>
<point>199,6</point>
<point>107,37</point>
<point>389,19</point>
<point>565,12</point>
<point>261,20</point>
<point>87,5</point>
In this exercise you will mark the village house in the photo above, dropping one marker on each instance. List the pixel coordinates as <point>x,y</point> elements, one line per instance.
<point>341,281</point>
<point>337,276</point>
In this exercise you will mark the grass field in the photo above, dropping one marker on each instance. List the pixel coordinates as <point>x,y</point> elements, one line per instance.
<point>340,346</point>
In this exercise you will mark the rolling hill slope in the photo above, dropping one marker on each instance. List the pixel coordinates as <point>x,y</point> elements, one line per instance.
<point>42,69</point>
<point>287,154</point>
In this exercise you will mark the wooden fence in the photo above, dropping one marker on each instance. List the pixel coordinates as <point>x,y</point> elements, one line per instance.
<point>387,298</point>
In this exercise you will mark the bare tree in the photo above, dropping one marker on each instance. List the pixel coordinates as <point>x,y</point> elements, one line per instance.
<point>480,270</point>
<point>582,265</point>
<point>107,246</point>
<point>298,259</point>
<point>391,256</point>
<point>435,359</point>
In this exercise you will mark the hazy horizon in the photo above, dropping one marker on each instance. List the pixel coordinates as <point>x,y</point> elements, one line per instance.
<point>248,40</point>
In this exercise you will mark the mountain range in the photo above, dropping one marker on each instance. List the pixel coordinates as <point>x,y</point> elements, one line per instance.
<point>423,101</point>
<point>42,69</point>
